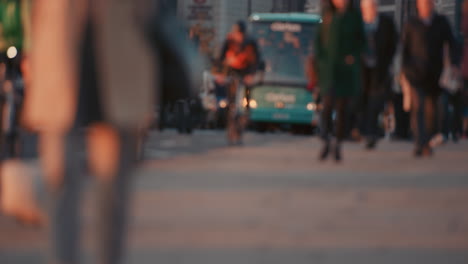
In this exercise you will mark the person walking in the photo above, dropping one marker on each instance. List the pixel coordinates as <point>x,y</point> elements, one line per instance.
<point>424,38</point>
<point>382,38</point>
<point>464,28</point>
<point>339,46</point>
<point>92,85</point>
<point>14,44</point>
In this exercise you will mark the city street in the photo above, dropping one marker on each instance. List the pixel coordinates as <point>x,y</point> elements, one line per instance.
<point>271,201</point>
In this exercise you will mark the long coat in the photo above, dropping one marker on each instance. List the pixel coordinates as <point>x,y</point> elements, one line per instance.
<point>423,52</point>
<point>124,61</point>
<point>386,40</point>
<point>337,39</point>
<point>464,27</point>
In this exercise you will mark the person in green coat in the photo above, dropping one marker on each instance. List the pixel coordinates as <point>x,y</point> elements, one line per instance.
<point>14,25</point>
<point>339,45</point>
<point>14,43</point>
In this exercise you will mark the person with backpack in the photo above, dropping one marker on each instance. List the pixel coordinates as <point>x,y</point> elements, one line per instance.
<point>241,58</point>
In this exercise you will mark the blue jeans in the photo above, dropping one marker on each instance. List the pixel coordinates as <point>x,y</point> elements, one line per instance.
<point>112,203</point>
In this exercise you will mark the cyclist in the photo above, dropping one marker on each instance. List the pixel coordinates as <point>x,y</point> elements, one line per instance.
<point>240,57</point>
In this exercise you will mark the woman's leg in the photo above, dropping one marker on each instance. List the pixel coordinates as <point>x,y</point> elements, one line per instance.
<point>326,126</point>
<point>63,168</point>
<point>341,105</point>
<point>326,120</point>
<point>112,158</point>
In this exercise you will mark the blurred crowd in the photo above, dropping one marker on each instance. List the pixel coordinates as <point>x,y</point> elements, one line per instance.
<point>359,56</point>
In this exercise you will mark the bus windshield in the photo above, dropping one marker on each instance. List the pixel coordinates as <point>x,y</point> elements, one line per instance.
<point>285,47</point>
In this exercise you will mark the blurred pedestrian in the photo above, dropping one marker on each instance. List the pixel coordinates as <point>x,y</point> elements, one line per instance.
<point>451,106</point>
<point>92,86</point>
<point>241,58</point>
<point>14,40</point>
<point>377,60</point>
<point>464,28</point>
<point>339,45</point>
<point>424,38</point>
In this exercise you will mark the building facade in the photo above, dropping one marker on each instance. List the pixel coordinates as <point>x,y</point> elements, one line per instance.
<point>289,5</point>
<point>211,20</point>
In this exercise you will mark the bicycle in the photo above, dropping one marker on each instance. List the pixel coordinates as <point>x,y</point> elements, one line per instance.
<point>237,114</point>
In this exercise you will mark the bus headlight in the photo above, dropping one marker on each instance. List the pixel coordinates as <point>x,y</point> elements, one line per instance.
<point>311,107</point>
<point>223,104</point>
<point>253,104</point>
<point>12,52</point>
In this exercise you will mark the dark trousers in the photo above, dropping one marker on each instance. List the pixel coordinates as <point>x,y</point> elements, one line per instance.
<point>423,116</point>
<point>338,104</point>
<point>402,118</point>
<point>112,203</point>
<point>11,145</point>
<point>373,102</point>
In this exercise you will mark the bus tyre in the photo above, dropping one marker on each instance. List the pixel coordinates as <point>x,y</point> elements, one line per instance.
<point>261,127</point>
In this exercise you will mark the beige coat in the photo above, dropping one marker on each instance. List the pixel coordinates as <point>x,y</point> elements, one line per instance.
<point>125,62</point>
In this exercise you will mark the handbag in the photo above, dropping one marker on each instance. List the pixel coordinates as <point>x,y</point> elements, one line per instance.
<point>20,189</point>
<point>450,80</point>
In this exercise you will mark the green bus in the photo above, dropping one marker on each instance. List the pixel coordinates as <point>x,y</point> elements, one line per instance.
<point>286,43</point>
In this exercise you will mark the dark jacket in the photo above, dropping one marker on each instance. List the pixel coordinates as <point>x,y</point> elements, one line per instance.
<point>464,28</point>
<point>337,39</point>
<point>423,52</point>
<point>386,40</point>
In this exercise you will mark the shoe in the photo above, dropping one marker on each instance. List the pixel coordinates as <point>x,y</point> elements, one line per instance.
<point>371,144</point>
<point>324,152</point>
<point>338,156</point>
<point>418,152</point>
<point>427,152</point>
<point>423,152</point>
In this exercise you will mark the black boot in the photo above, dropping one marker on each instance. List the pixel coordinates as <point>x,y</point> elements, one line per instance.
<point>325,151</point>
<point>371,144</point>
<point>338,156</point>
<point>418,152</point>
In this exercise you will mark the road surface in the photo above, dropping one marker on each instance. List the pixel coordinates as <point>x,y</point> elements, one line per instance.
<point>198,201</point>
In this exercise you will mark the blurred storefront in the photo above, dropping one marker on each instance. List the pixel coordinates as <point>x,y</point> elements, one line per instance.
<point>289,5</point>
<point>210,20</point>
